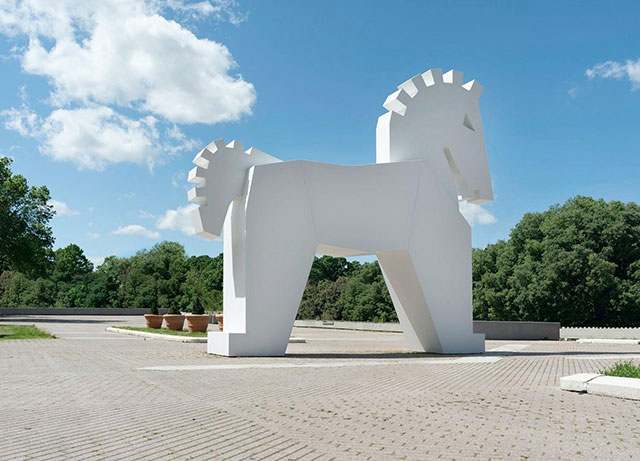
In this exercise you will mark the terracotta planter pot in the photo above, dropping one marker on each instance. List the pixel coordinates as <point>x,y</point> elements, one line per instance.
<point>197,323</point>
<point>153,321</point>
<point>174,321</point>
<point>219,319</point>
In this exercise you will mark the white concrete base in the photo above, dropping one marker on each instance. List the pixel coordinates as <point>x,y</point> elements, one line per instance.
<point>607,341</point>
<point>626,388</point>
<point>610,386</point>
<point>238,345</point>
<point>507,348</point>
<point>577,383</point>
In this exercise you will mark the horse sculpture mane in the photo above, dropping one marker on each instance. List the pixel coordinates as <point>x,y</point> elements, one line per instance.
<point>404,209</point>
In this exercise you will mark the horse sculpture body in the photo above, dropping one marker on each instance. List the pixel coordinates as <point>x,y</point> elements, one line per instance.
<point>404,209</point>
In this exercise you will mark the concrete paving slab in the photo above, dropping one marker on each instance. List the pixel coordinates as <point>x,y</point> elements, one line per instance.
<point>74,398</point>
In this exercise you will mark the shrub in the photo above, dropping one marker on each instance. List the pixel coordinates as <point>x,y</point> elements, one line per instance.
<point>174,310</point>
<point>196,306</point>
<point>623,370</point>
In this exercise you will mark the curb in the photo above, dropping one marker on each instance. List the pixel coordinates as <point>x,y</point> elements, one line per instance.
<point>182,339</point>
<point>607,341</point>
<point>596,384</point>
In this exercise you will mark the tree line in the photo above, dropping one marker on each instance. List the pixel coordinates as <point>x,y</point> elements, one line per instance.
<point>161,277</point>
<point>576,263</point>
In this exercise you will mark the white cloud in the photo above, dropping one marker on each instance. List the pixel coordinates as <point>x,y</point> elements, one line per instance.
<point>96,260</point>
<point>93,235</point>
<point>476,214</point>
<point>222,10</point>
<point>90,137</point>
<point>126,53</point>
<point>628,69</point>
<point>62,209</point>
<point>574,91</point>
<point>177,180</point>
<point>137,229</point>
<point>98,55</point>
<point>144,215</point>
<point>21,120</point>
<point>176,142</point>
<point>127,196</point>
<point>178,220</point>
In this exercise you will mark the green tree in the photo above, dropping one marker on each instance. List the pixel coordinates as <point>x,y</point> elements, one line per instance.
<point>320,301</point>
<point>210,269</point>
<point>70,263</point>
<point>13,285</point>
<point>27,239</point>
<point>576,264</point>
<point>330,268</point>
<point>366,298</point>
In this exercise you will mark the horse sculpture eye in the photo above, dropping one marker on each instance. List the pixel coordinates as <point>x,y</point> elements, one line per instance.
<point>467,123</point>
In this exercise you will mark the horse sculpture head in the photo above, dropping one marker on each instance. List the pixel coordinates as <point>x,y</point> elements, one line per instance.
<point>436,117</point>
<point>223,170</point>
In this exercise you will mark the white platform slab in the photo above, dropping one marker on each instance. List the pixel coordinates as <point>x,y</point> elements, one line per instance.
<point>610,386</point>
<point>607,341</point>
<point>577,383</point>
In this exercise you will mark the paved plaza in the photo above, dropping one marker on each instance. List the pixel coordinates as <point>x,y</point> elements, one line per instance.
<point>93,394</point>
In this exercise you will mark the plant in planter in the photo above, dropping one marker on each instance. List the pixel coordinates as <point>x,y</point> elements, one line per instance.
<point>219,319</point>
<point>153,319</point>
<point>174,318</point>
<point>197,320</point>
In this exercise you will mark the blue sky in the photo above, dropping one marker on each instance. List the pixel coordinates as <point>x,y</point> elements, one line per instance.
<point>108,104</point>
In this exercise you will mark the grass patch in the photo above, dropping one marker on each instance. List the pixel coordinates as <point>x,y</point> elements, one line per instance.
<point>623,370</point>
<point>22,332</point>
<point>164,331</point>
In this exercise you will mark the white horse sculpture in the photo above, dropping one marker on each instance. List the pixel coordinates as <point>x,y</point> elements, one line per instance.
<point>404,209</point>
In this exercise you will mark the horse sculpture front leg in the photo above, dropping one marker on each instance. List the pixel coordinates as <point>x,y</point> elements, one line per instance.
<point>279,246</point>
<point>430,282</point>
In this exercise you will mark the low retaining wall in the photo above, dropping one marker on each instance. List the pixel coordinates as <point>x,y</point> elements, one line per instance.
<point>491,329</point>
<point>73,311</point>
<point>600,333</point>
<point>518,330</point>
<point>340,325</point>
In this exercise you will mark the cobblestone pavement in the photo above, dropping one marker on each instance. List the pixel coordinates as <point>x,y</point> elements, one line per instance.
<point>92,394</point>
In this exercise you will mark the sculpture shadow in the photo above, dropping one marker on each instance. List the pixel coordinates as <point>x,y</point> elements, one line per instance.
<point>572,353</point>
<point>369,355</point>
<point>417,355</point>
